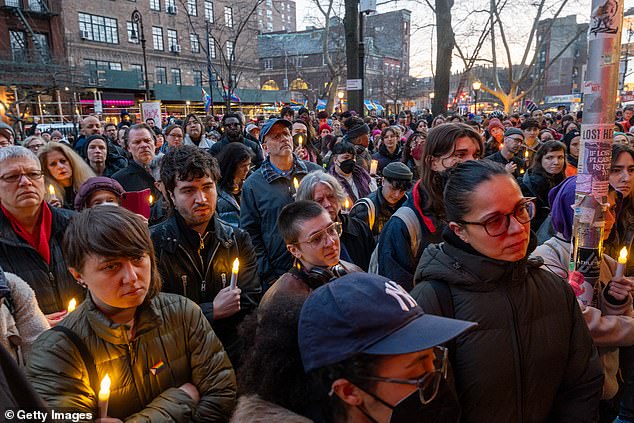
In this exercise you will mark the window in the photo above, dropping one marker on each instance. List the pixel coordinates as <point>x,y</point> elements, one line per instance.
<point>192,7</point>
<point>138,69</point>
<point>229,47</point>
<point>157,38</point>
<point>170,3</point>
<point>96,69</point>
<point>172,38</point>
<point>36,6</point>
<point>269,26</point>
<point>176,76</point>
<point>155,4</point>
<point>228,16</point>
<point>198,78</point>
<point>269,3</point>
<point>161,75</point>
<point>268,63</point>
<point>212,48</point>
<point>209,11</point>
<point>98,28</point>
<point>269,14</point>
<point>41,46</point>
<point>133,27</point>
<point>18,46</point>
<point>12,3</point>
<point>195,44</point>
<point>297,61</point>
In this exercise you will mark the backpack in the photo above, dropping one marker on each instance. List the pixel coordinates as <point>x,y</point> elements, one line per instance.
<point>408,216</point>
<point>371,210</point>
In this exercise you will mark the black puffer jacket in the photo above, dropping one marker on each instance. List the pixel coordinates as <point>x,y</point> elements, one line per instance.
<point>531,357</point>
<point>53,284</point>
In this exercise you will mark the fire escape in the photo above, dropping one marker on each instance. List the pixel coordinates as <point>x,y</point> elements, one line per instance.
<point>24,11</point>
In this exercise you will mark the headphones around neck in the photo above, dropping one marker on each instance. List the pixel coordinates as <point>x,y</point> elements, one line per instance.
<point>318,276</point>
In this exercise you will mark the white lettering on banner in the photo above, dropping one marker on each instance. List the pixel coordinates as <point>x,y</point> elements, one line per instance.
<point>399,294</point>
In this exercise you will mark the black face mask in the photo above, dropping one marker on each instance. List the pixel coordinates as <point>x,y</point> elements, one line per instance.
<point>347,165</point>
<point>445,408</point>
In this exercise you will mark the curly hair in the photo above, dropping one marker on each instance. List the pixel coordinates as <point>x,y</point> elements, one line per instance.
<point>186,163</point>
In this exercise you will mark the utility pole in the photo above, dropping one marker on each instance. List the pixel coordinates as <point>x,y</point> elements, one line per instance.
<point>351,24</point>
<point>597,129</point>
<point>210,75</point>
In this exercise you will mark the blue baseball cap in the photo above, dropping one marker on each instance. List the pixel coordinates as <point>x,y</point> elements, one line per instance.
<point>366,313</point>
<point>269,124</point>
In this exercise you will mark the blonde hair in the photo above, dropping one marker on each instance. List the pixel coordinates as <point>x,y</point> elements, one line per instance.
<point>81,170</point>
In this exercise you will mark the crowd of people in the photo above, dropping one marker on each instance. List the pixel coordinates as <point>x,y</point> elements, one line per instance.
<point>309,267</point>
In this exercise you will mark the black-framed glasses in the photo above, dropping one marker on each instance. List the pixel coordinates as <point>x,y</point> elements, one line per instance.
<point>524,212</point>
<point>429,383</point>
<point>31,176</point>
<point>332,231</point>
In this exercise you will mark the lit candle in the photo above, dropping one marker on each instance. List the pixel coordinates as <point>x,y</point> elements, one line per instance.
<point>346,205</point>
<point>104,396</point>
<point>51,191</point>
<point>151,199</point>
<point>234,274</point>
<point>620,266</point>
<point>300,141</point>
<point>521,171</point>
<point>72,305</point>
<point>373,166</point>
<point>526,154</point>
<point>295,183</point>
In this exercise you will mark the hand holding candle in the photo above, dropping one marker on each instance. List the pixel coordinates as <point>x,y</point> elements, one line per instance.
<point>234,274</point>
<point>622,262</point>
<point>300,141</point>
<point>373,167</point>
<point>104,396</point>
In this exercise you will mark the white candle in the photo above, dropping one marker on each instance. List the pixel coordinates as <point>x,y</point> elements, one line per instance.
<point>346,206</point>
<point>234,274</point>
<point>151,199</point>
<point>300,141</point>
<point>373,166</point>
<point>295,183</point>
<point>622,262</point>
<point>51,192</point>
<point>72,305</point>
<point>104,396</point>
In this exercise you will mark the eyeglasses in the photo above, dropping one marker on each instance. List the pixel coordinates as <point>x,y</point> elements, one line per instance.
<point>232,125</point>
<point>332,231</point>
<point>498,225</point>
<point>31,176</point>
<point>429,383</point>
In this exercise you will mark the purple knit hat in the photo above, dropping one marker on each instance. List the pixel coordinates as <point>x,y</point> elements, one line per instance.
<point>96,183</point>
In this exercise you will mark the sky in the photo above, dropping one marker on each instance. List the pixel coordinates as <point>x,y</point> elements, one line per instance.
<point>422,38</point>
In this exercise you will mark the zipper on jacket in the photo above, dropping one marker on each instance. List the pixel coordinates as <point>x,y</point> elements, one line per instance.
<point>184,281</point>
<point>58,297</point>
<point>211,259</point>
<point>519,366</point>
<point>223,277</point>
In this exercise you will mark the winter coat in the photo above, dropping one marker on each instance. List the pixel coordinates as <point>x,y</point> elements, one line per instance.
<point>254,146</point>
<point>534,184</point>
<point>611,325</point>
<point>357,241</point>
<point>384,157</point>
<point>499,158</point>
<point>531,357</point>
<point>136,178</point>
<point>53,284</point>
<point>204,142</point>
<point>227,208</point>
<point>253,409</point>
<point>21,320</point>
<point>184,271</point>
<point>361,179</point>
<point>264,193</point>
<point>396,259</point>
<point>382,211</point>
<point>173,345</point>
<point>15,390</point>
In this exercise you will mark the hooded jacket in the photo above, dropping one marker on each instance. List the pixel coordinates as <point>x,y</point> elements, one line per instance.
<point>170,330</point>
<point>531,357</point>
<point>253,409</point>
<point>384,157</point>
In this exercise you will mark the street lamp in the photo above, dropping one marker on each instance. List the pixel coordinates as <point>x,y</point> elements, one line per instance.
<point>138,19</point>
<point>340,95</point>
<point>476,87</point>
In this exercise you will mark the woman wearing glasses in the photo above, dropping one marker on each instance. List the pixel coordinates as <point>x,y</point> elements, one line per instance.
<point>531,357</point>
<point>174,137</point>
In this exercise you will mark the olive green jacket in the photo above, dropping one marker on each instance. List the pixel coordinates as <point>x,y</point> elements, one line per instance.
<point>170,329</point>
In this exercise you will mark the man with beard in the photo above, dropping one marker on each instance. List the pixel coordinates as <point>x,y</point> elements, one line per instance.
<point>232,132</point>
<point>507,156</point>
<point>196,250</point>
<point>194,132</point>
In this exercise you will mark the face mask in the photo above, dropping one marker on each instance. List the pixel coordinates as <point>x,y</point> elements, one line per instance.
<point>417,152</point>
<point>347,165</point>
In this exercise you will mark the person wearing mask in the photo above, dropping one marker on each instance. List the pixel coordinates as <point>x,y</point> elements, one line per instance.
<point>374,356</point>
<point>65,171</point>
<point>98,190</point>
<point>420,220</point>
<point>357,242</point>
<point>353,177</point>
<point>481,273</point>
<point>573,145</point>
<point>390,148</point>
<point>232,131</point>
<point>161,354</point>
<point>265,192</point>
<point>379,206</point>
<point>413,152</point>
<point>31,233</point>
<point>507,155</point>
<point>99,158</point>
<point>235,162</point>
<point>194,132</point>
<point>196,250</point>
<point>546,172</point>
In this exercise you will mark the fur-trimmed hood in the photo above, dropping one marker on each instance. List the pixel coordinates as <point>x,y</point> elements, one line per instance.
<point>253,409</point>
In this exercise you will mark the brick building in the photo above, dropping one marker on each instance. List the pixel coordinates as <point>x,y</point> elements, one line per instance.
<point>277,15</point>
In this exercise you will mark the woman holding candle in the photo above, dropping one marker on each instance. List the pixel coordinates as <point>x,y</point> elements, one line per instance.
<point>65,171</point>
<point>609,315</point>
<point>390,148</point>
<point>163,358</point>
<point>622,179</point>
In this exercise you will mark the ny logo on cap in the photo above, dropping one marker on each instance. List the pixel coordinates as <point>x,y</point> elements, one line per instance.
<point>395,290</point>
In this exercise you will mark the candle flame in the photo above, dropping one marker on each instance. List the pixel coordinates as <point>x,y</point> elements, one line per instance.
<point>300,140</point>
<point>526,154</point>
<point>623,254</point>
<point>51,189</point>
<point>105,384</point>
<point>72,305</point>
<point>236,266</point>
<point>346,204</point>
<point>295,183</point>
<point>521,171</point>
<point>151,199</point>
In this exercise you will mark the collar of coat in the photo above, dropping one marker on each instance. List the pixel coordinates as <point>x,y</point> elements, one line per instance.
<point>171,236</point>
<point>270,175</point>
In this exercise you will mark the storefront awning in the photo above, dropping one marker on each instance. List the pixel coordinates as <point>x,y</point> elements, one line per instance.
<point>368,105</point>
<point>377,106</point>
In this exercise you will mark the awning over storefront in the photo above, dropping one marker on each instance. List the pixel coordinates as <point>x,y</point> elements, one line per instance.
<point>321,105</point>
<point>369,105</point>
<point>377,106</point>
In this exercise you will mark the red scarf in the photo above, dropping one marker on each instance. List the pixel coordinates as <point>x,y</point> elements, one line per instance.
<point>40,236</point>
<point>418,203</point>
